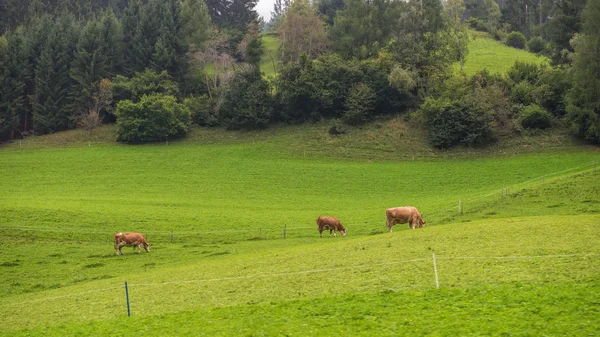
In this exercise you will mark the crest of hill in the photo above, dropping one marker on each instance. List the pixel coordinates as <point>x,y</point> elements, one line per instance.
<point>397,138</point>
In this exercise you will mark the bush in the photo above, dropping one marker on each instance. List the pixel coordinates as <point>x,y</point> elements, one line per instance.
<point>155,117</point>
<point>203,110</point>
<point>523,71</point>
<point>535,117</point>
<point>247,104</point>
<point>515,40</point>
<point>536,45</point>
<point>498,34</point>
<point>360,105</point>
<point>584,122</point>
<point>554,83</point>
<point>521,93</point>
<point>477,24</point>
<point>454,122</point>
<point>144,83</point>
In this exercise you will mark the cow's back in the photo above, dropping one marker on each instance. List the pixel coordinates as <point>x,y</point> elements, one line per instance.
<point>400,213</point>
<point>328,221</point>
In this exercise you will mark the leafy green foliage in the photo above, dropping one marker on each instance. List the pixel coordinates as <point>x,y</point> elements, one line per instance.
<point>247,103</point>
<point>359,105</point>
<point>535,117</point>
<point>521,93</point>
<point>156,117</point>
<point>584,113</point>
<point>551,90</point>
<point>144,83</point>
<point>203,110</point>
<point>516,40</point>
<point>536,45</point>
<point>311,90</point>
<point>456,122</point>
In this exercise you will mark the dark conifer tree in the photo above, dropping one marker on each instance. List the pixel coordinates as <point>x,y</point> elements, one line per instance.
<point>14,75</point>
<point>89,66</point>
<point>52,80</point>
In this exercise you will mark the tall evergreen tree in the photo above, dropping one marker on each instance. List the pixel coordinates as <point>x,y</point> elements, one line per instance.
<point>89,66</point>
<point>52,80</point>
<point>14,75</point>
<point>112,39</point>
<point>584,110</point>
<point>170,49</point>
<point>564,23</point>
<point>196,23</point>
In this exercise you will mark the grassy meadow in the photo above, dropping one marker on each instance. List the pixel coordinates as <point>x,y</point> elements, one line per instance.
<point>487,53</point>
<point>214,207</point>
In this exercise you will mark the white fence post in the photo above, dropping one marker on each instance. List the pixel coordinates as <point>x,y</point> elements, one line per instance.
<point>437,283</point>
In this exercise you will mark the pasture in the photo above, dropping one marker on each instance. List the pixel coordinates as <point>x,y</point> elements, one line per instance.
<point>215,210</point>
<point>496,57</point>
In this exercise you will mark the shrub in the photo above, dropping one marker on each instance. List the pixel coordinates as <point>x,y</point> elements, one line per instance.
<point>498,34</point>
<point>536,45</point>
<point>515,40</point>
<point>554,83</point>
<point>535,117</point>
<point>521,93</point>
<point>155,117</point>
<point>144,83</point>
<point>203,110</point>
<point>247,104</point>
<point>523,71</point>
<point>454,122</point>
<point>477,24</point>
<point>360,105</point>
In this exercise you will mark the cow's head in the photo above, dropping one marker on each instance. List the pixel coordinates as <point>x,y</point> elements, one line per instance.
<point>147,247</point>
<point>343,231</point>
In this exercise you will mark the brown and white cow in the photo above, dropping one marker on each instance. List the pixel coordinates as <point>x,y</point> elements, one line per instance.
<point>331,223</point>
<point>403,215</point>
<point>130,239</point>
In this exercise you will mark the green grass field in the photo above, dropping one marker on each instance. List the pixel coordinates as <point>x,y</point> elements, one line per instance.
<point>487,53</point>
<point>270,56</point>
<point>214,207</point>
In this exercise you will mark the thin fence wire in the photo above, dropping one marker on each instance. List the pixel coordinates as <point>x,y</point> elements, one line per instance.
<point>291,230</point>
<point>305,272</point>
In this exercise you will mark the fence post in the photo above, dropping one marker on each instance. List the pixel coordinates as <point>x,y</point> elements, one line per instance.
<point>127,298</point>
<point>437,283</point>
<point>284,230</point>
<point>20,145</point>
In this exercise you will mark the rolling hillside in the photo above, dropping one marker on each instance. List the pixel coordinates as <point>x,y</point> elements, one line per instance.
<point>215,209</point>
<point>487,53</point>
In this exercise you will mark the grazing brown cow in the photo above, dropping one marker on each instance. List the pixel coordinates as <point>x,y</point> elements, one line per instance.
<point>130,239</point>
<point>331,223</point>
<point>403,215</point>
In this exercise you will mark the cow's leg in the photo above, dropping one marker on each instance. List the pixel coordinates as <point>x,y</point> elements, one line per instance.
<point>334,233</point>
<point>321,233</point>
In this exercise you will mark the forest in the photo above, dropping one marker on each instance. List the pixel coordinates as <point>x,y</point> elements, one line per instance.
<point>157,67</point>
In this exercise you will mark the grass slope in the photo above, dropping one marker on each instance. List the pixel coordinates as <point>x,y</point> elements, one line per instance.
<point>479,264</point>
<point>487,53</point>
<point>270,56</point>
<point>227,270</point>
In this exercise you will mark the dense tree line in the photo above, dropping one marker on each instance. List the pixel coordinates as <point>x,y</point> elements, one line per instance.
<point>155,66</point>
